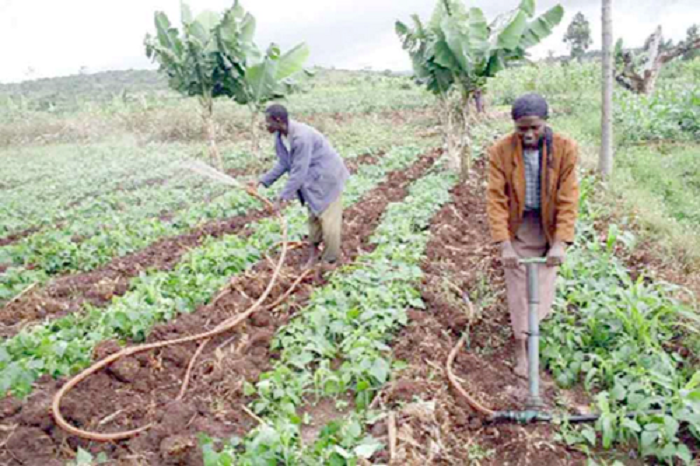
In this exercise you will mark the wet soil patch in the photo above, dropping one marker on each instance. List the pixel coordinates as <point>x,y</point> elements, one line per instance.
<point>14,237</point>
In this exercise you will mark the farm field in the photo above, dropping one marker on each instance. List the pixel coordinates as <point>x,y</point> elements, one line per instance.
<point>106,241</point>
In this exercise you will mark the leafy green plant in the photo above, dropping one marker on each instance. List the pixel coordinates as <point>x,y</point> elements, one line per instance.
<point>84,458</point>
<point>211,457</point>
<point>341,442</point>
<point>352,319</point>
<point>456,52</point>
<point>78,178</point>
<point>563,86</point>
<point>611,332</point>
<point>476,453</point>
<point>214,55</point>
<point>111,228</point>
<point>671,113</point>
<point>65,345</point>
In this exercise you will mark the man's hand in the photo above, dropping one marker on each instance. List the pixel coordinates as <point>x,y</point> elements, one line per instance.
<point>556,254</point>
<point>509,256</point>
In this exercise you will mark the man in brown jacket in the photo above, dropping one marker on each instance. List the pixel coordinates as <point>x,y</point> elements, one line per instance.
<point>532,208</point>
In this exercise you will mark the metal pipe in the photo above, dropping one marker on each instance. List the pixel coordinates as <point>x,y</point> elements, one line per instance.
<point>530,416</point>
<point>534,404</point>
<point>534,401</point>
<point>533,339</point>
<point>522,417</point>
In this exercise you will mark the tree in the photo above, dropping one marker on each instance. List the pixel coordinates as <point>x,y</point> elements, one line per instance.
<point>664,45</point>
<point>606,150</point>
<point>457,51</point>
<point>214,55</point>
<point>578,36</point>
<point>639,72</point>
<point>273,77</point>
<point>692,35</point>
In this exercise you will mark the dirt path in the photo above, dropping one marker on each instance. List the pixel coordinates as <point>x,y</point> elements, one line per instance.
<point>140,390</point>
<point>66,294</point>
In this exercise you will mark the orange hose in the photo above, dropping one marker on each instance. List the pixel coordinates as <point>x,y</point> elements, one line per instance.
<point>221,328</point>
<point>190,366</point>
<point>478,407</point>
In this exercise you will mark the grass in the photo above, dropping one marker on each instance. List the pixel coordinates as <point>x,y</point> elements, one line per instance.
<point>655,187</point>
<point>670,174</point>
<point>77,110</point>
<point>660,186</point>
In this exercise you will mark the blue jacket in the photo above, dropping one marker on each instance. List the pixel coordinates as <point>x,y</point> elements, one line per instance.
<point>317,174</point>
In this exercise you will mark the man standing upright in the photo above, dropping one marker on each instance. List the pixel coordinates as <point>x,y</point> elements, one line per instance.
<point>532,208</point>
<point>317,176</point>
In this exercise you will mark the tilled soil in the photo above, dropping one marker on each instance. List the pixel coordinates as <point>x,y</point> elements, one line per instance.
<point>66,294</point>
<point>14,237</point>
<point>141,390</point>
<point>436,426</point>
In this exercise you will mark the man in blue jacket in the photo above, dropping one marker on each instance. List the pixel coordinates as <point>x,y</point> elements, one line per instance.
<point>317,175</point>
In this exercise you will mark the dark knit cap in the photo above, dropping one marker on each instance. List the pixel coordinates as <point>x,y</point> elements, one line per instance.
<point>530,105</point>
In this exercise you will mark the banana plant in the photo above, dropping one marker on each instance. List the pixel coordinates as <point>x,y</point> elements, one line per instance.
<point>214,55</point>
<point>274,76</point>
<point>458,50</point>
<point>266,77</point>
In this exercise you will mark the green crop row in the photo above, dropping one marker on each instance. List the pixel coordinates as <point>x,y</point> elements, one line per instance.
<point>73,178</point>
<point>339,344</point>
<point>63,346</point>
<point>116,225</point>
<point>52,252</point>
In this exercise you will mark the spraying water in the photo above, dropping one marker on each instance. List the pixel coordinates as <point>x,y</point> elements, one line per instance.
<point>202,168</point>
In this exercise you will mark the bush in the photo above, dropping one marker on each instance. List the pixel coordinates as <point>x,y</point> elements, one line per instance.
<point>560,84</point>
<point>671,113</point>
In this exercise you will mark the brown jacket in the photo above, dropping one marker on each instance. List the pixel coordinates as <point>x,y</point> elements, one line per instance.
<point>506,189</point>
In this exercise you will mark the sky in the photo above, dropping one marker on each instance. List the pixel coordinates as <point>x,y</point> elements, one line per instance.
<point>46,38</point>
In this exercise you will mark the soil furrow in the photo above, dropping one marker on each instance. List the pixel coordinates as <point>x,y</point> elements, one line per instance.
<point>66,294</point>
<point>461,262</point>
<point>14,237</point>
<point>140,390</point>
